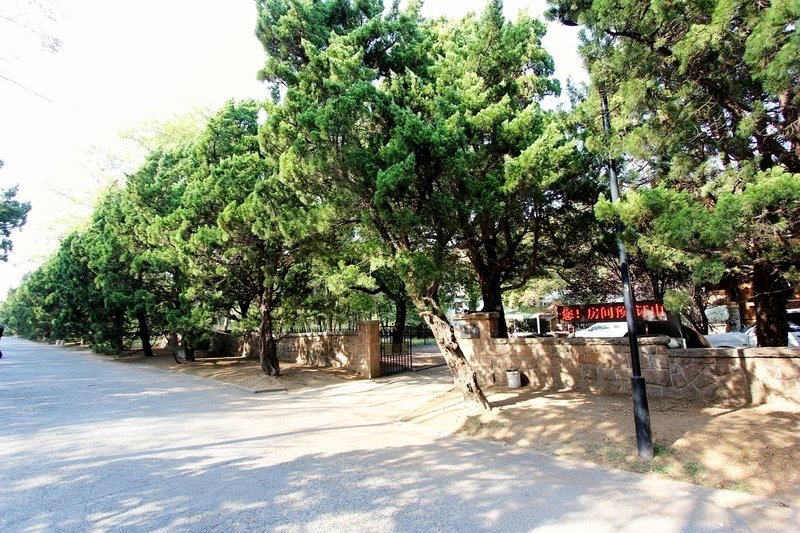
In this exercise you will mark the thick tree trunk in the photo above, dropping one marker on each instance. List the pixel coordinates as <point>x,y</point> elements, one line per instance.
<point>188,350</point>
<point>172,340</point>
<point>268,352</point>
<point>269,358</point>
<point>463,375</point>
<point>144,333</point>
<point>697,296</point>
<point>771,293</point>
<point>492,296</point>
<point>173,344</point>
<point>401,312</point>
<point>117,339</point>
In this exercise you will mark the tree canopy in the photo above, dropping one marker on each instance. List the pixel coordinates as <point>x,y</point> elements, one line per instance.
<point>704,99</point>
<point>405,160</point>
<point>13,215</point>
<point>429,133</point>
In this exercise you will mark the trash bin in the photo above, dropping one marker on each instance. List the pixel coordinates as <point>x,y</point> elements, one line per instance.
<point>513,379</point>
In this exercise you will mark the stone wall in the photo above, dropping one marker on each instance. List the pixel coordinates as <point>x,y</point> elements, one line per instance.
<point>755,375</point>
<point>358,351</point>
<point>751,375</point>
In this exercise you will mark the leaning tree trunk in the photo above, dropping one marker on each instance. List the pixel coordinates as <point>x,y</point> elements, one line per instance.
<point>463,375</point>
<point>771,293</point>
<point>268,346</point>
<point>144,333</point>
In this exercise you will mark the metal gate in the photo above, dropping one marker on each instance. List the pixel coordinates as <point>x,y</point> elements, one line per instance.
<point>395,356</point>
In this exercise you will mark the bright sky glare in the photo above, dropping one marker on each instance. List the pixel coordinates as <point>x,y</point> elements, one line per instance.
<point>121,64</point>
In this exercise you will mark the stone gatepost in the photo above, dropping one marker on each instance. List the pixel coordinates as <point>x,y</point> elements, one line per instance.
<point>369,335</point>
<point>473,326</point>
<point>474,332</point>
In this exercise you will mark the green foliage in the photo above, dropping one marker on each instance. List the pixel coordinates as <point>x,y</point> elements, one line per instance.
<point>771,49</point>
<point>675,226</point>
<point>61,301</point>
<point>677,300</point>
<point>438,143</point>
<point>291,30</point>
<point>409,155</point>
<point>24,311</point>
<point>704,106</point>
<point>13,215</point>
<point>538,295</point>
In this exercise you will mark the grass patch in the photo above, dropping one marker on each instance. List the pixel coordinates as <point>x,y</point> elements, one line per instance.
<point>740,486</point>
<point>664,460</point>
<point>662,450</point>
<point>693,469</point>
<point>474,425</point>
<point>615,456</point>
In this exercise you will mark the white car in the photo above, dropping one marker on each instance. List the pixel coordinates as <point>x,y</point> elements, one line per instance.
<point>733,339</point>
<point>747,338</point>
<point>677,334</point>
<point>604,329</point>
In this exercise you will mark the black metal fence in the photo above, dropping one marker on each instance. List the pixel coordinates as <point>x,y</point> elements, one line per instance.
<point>395,351</point>
<point>322,328</point>
<point>420,335</point>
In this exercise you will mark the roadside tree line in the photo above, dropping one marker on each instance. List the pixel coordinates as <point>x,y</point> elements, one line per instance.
<point>401,160</point>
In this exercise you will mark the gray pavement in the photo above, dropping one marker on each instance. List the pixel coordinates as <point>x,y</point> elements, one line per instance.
<point>87,444</point>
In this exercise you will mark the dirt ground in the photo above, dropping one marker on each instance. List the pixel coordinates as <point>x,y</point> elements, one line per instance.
<point>754,449</point>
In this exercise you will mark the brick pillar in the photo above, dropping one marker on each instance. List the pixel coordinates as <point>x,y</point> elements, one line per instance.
<point>369,335</point>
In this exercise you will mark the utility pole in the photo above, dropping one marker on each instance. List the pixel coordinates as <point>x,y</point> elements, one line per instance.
<point>641,412</point>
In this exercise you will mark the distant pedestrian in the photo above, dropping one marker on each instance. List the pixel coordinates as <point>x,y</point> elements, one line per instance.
<point>2,329</point>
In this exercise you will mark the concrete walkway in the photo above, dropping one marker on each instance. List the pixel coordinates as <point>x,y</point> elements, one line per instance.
<point>90,445</point>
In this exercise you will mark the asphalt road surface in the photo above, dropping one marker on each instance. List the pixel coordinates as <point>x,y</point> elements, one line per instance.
<point>87,444</point>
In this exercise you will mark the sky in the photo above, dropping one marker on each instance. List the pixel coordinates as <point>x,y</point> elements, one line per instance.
<point>120,64</point>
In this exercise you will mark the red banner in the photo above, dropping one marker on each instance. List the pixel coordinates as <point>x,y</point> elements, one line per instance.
<point>614,312</point>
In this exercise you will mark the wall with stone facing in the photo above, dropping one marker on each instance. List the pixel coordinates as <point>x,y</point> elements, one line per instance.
<point>751,375</point>
<point>358,351</point>
<point>755,375</point>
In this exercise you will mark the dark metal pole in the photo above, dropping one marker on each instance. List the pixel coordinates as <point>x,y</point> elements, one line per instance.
<point>641,412</point>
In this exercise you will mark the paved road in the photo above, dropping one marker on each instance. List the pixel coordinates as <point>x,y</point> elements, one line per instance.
<point>93,445</point>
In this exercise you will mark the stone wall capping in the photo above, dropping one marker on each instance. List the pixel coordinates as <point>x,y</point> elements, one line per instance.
<point>475,314</point>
